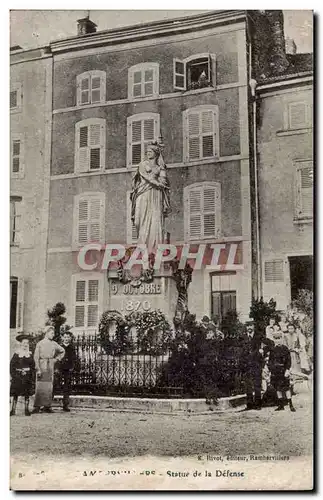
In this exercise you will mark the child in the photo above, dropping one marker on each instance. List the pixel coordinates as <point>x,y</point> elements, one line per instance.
<point>279,366</point>
<point>22,371</point>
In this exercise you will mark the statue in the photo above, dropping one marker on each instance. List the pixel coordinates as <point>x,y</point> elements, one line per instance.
<point>150,198</point>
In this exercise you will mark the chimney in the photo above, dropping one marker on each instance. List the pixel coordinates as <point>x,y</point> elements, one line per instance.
<point>290,46</point>
<point>85,26</point>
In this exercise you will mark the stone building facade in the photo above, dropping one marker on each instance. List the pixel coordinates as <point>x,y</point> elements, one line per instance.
<point>30,145</point>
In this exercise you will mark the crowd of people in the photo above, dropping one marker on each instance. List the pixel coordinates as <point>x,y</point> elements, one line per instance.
<point>34,373</point>
<point>274,361</point>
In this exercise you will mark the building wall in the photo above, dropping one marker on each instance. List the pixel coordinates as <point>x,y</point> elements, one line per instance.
<point>230,169</point>
<point>282,234</point>
<point>32,72</point>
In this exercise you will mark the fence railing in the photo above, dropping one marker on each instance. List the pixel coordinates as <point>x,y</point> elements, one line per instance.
<point>140,370</point>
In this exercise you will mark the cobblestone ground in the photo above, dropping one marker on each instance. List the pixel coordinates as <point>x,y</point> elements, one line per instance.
<point>118,434</point>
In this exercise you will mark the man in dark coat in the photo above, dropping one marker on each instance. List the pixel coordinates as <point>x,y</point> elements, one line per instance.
<point>255,351</point>
<point>66,367</point>
<point>279,365</point>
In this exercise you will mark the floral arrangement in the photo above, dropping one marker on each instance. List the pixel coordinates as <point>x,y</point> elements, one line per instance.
<point>154,333</point>
<point>116,342</point>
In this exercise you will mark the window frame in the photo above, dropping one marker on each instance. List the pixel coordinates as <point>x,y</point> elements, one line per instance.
<point>90,75</point>
<point>77,160</point>
<point>17,87</point>
<point>142,67</point>
<point>14,232</point>
<point>299,165</point>
<point>216,144</point>
<point>189,60</point>
<point>88,276</point>
<point>88,196</point>
<point>140,117</point>
<point>20,301</point>
<point>227,285</point>
<point>21,172</point>
<point>218,211</point>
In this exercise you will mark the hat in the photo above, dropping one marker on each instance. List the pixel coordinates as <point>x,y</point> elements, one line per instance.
<point>249,323</point>
<point>205,319</point>
<point>22,336</point>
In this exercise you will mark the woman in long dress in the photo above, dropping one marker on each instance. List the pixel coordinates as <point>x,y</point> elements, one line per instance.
<point>46,354</point>
<point>22,371</point>
<point>150,198</point>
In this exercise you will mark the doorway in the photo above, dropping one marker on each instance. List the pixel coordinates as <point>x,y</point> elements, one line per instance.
<point>301,274</point>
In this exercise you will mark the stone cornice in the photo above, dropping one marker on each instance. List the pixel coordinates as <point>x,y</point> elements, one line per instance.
<point>149,30</point>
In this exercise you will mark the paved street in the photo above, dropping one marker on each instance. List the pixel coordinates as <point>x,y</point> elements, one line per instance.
<point>116,434</point>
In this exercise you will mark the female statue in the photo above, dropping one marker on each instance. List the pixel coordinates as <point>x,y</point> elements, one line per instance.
<point>150,198</point>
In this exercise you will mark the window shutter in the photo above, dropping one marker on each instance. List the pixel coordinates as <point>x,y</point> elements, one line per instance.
<point>83,218</point>
<point>209,210</point>
<point>137,84</point>
<point>83,153</point>
<point>194,136</point>
<point>195,213</point>
<point>207,118</point>
<point>95,146</point>
<point>148,134</point>
<point>136,143</point>
<point>212,67</point>
<point>95,220</point>
<point>179,74</point>
<point>20,304</point>
<point>131,228</point>
<point>79,308</point>
<point>306,178</point>
<point>274,271</point>
<point>16,150</point>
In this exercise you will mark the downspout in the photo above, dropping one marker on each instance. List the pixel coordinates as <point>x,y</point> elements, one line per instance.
<point>253,85</point>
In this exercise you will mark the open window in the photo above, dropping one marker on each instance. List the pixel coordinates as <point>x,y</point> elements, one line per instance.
<point>195,72</point>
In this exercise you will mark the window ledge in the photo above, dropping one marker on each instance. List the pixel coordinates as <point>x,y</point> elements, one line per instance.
<point>298,131</point>
<point>199,91</point>
<point>13,111</point>
<point>303,220</point>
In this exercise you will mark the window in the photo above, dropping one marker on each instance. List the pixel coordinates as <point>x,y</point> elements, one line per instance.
<point>195,72</point>
<point>131,228</point>
<point>143,80</point>
<point>16,303</point>
<point>274,271</point>
<point>15,218</point>
<point>304,201</point>
<point>15,98</point>
<point>89,218</point>
<point>87,293</point>
<point>90,138</point>
<point>298,116</point>
<point>224,296</point>
<point>142,129</point>
<point>17,167</point>
<point>202,211</point>
<point>91,87</point>
<point>200,132</point>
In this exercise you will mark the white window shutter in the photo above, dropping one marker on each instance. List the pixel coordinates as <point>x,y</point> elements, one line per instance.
<point>102,220</point>
<point>83,217</point>
<point>131,228</point>
<point>102,145</point>
<point>85,90</point>
<point>306,184</point>
<point>95,219</point>
<point>209,209</point>
<point>195,214</point>
<point>194,149</point>
<point>179,74</point>
<point>82,148</point>
<point>212,67</point>
<point>129,144</point>
<point>20,304</point>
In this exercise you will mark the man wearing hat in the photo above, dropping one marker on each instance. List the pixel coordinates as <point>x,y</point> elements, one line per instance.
<point>66,366</point>
<point>22,371</point>
<point>253,360</point>
<point>47,353</point>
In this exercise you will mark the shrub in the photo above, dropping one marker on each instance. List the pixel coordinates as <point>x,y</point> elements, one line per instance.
<point>56,318</point>
<point>261,312</point>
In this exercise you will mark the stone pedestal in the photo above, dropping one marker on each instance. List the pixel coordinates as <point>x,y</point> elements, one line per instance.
<point>160,293</point>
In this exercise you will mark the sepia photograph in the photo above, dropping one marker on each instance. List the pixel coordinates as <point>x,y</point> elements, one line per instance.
<point>161,250</point>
